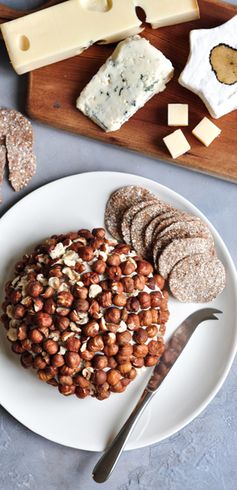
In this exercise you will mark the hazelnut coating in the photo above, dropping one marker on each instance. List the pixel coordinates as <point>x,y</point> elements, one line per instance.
<point>128,284</point>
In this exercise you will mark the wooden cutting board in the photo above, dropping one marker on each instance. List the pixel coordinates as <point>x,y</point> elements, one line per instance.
<point>53,91</point>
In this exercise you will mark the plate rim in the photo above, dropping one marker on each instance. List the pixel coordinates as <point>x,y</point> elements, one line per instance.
<point>184,201</point>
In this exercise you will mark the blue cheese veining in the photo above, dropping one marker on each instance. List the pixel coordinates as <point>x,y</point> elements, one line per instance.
<point>129,78</point>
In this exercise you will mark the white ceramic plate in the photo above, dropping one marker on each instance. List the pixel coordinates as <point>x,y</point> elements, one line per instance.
<point>78,202</point>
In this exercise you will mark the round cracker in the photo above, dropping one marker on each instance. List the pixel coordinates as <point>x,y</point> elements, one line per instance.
<point>128,216</point>
<point>140,222</point>
<point>197,279</point>
<point>179,249</point>
<point>178,230</point>
<point>118,202</point>
<point>151,228</point>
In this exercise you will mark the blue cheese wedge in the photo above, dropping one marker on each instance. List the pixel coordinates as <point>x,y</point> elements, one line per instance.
<point>129,78</point>
<point>211,70</point>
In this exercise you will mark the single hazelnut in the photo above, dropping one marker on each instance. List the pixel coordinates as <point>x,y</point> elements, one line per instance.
<point>94,309</point>
<point>131,374</point>
<point>57,360</point>
<point>95,344</point>
<point>140,336</point>
<point>128,267</point>
<point>152,331</point>
<point>22,331</point>
<point>87,355</point>
<point>48,292</point>
<point>34,289</point>
<point>82,392</point>
<point>91,329</point>
<point>19,311</point>
<point>113,377</point>
<point>99,377</point>
<point>160,281</point>
<point>35,336</point>
<point>90,278</point>
<point>133,304</point>
<point>116,287</point>
<point>86,253</point>
<point>65,380</point>
<point>51,346</point>
<point>124,315</point>
<point>123,338</point>
<point>138,362</point>
<point>145,318</point>
<point>125,368</point>
<point>119,299</point>
<point>66,390</point>
<point>105,299</point>
<point>112,363</point>
<point>109,338</point>
<point>118,387</point>
<point>112,315</point>
<point>37,348</point>
<point>144,300</point>
<point>140,350</point>
<point>85,234</point>
<point>156,298</point>
<point>73,344</point>
<point>15,297</point>
<point>72,359</point>
<point>17,347</point>
<point>164,316</point>
<point>26,344</point>
<point>97,243</point>
<point>139,282</point>
<point>100,362</point>
<point>43,319</point>
<point>79,380</point>
<point>111,350</point>
<point>128,284</point>
<point>122,249</point>
<point>126,350</point>
<point>144,268</point>
<point>99,267</point>
<point>114,272</point>
<point>105,285</point>
<point>80,292</point>
<point>39,362</point>
<point>98,232</point>
<point>102,394</point>
<point>114,260</point>
<point>81,305</point>
<point>155,315</point>
<point>133,321</point>
<point>26,360</point>
<point>50,306</point>
<point>46,374</point>
<point>156,347</point>
<point>151,361</point>
<point>65,299</point>
<point>66,370</point>
<point>62,323</point>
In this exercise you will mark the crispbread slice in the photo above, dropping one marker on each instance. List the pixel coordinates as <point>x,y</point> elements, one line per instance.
<point>151,228</point>
<point>178,230</point>
<point>197,279</point>
<point>128,216</point>
<point>179,249</point>
<point>140,222</point>
<point>118,202</point>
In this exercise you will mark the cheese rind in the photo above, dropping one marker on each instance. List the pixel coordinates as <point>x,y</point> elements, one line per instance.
<point>65,30</point>
<point>206,131</point>
<point>160,13</point>
<point>130,77</point>
<point>198,74</point>
<point>177,144</point>
<point>177,114</point>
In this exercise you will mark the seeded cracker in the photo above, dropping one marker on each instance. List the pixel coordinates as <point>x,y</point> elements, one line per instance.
<point>197,279</point>
<point>179,249</point>
<point>139,224</point>
<point>117,204</point>
<point>157,223</point>
<point>128,217</point>
<point>17,131</point>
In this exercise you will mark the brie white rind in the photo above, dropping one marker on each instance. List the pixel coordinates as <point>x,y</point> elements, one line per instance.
<point>198,75</point>
<point>129,78</point>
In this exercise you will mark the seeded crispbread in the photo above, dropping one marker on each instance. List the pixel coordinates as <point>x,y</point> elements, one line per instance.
<point>179,249</point>
<point>197,279</point>
<point>140,222</point>
<point>178,230</point>
<point>128,217</point>
<point>3,159</point>
<point>117,204</point>
<point>18,134</point>
<point>157,224</point>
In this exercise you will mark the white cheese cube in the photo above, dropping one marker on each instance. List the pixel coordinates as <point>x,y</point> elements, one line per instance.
<point>177,114</point>
<point>129,78</point>
<point>176,143</point>
<point>206,131</point>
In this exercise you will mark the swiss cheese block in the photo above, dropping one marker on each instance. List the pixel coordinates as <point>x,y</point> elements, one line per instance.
<point>206,131</point>
<point>160,13</point>
<point>130,77</point>
<point>176,143</point>
<point>67,29</point>
<point>177,114</point>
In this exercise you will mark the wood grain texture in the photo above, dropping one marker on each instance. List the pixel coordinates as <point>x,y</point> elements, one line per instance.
<point>53,91</point>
